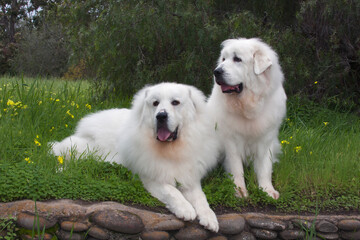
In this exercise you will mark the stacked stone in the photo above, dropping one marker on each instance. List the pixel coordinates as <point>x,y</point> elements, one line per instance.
<point>110,221</point>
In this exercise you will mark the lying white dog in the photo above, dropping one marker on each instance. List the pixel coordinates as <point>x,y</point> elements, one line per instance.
<point>249,103</point>
<point>166,137</point>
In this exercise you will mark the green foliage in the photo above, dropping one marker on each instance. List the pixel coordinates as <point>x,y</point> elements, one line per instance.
<point>8,230</point>
<point>42,51</point>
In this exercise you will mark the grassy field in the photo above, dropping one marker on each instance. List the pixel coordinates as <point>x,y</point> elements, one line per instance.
<point>319,169</point>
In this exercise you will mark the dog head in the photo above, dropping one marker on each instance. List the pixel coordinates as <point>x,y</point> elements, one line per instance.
<point>167,108</point>
<point>244,64</point>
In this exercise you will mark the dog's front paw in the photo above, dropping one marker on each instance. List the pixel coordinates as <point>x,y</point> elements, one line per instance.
<point>186,212</point>
<point>209,220</point>
<point>241,192</point>
<point>273,193</point>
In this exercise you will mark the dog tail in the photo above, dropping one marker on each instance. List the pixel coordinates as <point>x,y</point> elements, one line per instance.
<point>70,147</point>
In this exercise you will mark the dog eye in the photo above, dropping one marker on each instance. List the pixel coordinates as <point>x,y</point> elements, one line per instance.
<point>155,103</point>
<point>175,102</point>
<point>237,59</point>
<point>223,59</point>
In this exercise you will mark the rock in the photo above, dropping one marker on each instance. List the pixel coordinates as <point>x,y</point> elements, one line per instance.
<point>192,233</point>
<point>98,233</point>
<point>166,225</point>
<point>63,235</point>
<point>155,235</point>
<point>264,234</point>
<point>329,236</point>
<point>302,224</point>
<point>292,234</point>
<point>217,238</point>
<point>118,221</point>
<point>27,220</point>
<point>349,225</point>
<point>46,236</point>
<point>231,223</point>
<point>243,236</point>
<point>265,223</point>
<point>326,227</point>
<point>350,235</point>
<point>74,226</point>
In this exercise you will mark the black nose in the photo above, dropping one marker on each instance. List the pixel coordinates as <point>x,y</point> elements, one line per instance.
<point>161,116</point>
<point>218,72</point>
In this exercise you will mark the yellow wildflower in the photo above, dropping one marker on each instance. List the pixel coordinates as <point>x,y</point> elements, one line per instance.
<point>68,113</point>
<point>316,82</point>
<point>88,106</point>
<point>66,125</point>
<point>57,100</point>
<point>51,129</point>
<point>40,102</point>
<point>60,159</point>
<point>326,123</point>
<point>297,149</point>
<point>10,102</point>
<point>28,160</point>
<point>310,152</point>
<point>37,143</point>
<point>285,142</point>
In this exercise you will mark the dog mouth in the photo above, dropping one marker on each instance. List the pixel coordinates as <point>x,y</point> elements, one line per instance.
<point>165,135</point>
<point>231,89</point>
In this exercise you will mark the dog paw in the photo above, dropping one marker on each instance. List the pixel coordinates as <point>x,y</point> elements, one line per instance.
<point>273,193</point>
<point>209,221</point>
<point>186,212</point>
<point>241,192</point>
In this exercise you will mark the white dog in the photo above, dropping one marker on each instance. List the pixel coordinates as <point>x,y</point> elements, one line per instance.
<point>249,103</point>
<point>166,137</point>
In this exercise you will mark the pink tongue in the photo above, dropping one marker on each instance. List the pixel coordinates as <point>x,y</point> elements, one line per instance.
<point>163,134</point>
<point>225,88</point>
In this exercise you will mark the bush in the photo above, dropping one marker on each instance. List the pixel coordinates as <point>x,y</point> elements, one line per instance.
<point>41,51</point>
<point>333,27</point>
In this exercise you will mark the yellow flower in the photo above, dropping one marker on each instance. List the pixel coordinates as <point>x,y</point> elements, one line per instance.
<point>40,102</point>
<point>285,142</point>
<point>51,129</point>
<point>28,160</point>
<point>326,123</point>
<point>60,159</point>
<point>57,100</point>
<point>310,152</point>
<point>37,143</point>
<point>66,125</point>
<point>316,82</point>
<point>10,102</point>
<point>88,106</point>
<point>297,149</point>
<point>68,113</point>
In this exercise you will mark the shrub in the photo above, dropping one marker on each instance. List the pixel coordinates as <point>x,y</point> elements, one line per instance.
<point>41,51</point>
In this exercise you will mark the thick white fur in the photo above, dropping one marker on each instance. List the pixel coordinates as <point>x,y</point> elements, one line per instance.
<point>248,123</point>
<point>170,171</point>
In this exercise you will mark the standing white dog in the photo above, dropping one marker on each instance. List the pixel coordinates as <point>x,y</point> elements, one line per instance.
<point>166,137</point>
<point>248,102</point>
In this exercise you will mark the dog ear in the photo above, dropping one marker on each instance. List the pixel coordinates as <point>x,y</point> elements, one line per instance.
<point>197,97</point>
<point>138,102</point>
<point>261,62</point>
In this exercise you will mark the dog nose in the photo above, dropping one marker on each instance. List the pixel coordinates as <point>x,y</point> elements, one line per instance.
<point>218,72</point>
<point>161,116</point>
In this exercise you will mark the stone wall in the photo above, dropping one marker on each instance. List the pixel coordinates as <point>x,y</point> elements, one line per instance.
<point>109,220</point>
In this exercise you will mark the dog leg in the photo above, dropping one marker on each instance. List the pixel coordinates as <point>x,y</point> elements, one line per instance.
<point>172,198</point>
<point>263,170</point>
<point>234,165</point>
<point>197,198</point>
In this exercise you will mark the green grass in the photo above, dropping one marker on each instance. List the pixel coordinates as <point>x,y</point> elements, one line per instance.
<point>319,169</point>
